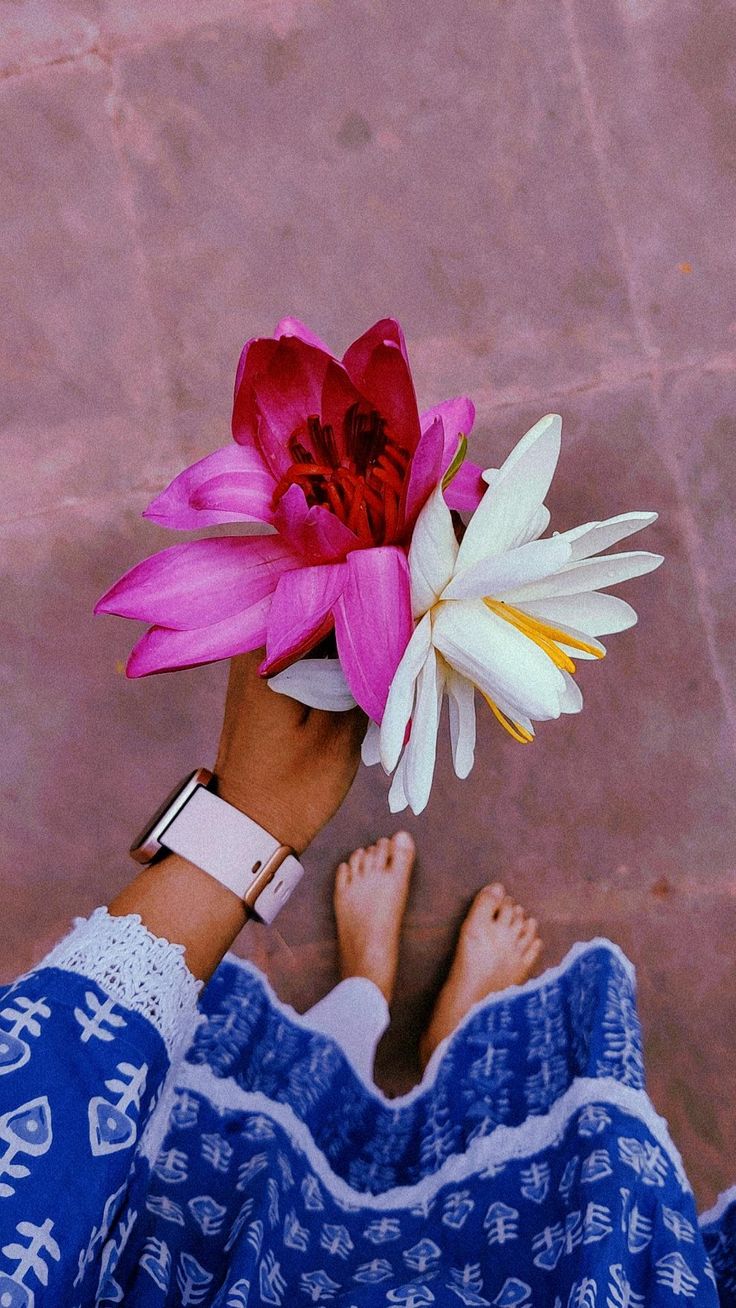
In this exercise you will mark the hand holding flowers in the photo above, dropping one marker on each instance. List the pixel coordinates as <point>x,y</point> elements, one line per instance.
<point>353,493</point>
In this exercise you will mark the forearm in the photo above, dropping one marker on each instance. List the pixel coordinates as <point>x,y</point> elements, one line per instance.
<point>288,768</point>
<point>178,901</point>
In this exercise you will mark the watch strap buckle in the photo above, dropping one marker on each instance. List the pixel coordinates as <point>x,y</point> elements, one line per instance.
<point>273,885</point>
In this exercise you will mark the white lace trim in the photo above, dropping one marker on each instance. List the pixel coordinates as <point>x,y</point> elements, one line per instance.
<point>721,1206</point>
<point>143,972</point>
<point>502,1145</point>
<point>547,977</point>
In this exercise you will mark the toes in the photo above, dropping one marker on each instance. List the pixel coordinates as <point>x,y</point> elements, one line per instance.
<point>506,912</point>
<point>528,931</point>
<point>491,898</point>
<point>518,918</point>
<point>531,954</point>
<point>357,860</point>
<point>369,858</point>
<point>343,877</point>
<point>401,852</point>
<point>382,853</point>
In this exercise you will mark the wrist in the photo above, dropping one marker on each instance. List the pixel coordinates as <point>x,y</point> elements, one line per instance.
<point>179,901</point>
<point>276,817</point>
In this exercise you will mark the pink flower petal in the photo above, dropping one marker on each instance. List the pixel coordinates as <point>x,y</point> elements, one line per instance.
<point>466,489</point>
<point>318,535</point>
<point>458,416</point>
<point>294,327</point>
<point>385,331</point>
<point>338,395</point>
<point>254,359</point>
<point>200,582</point>
<point>373,623</point>
<point>426,469</point>
<point>287,392</point>
<point>182,505</point>
<point>163,650</point>
<point>301,613</point>
<point>233,494</point>
<point>377,365</point>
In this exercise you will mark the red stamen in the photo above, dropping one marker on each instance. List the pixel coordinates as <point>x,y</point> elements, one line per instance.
<point>345,477</point>
<point>333,496</point>
<point>391,510</point>
<point>366,491</point>
<point>300,472</point>
<point>398,458</point>
<point>356,501</point>
<point>389,476</point>
<point>365,531</point>
<point>374,498</point>
<point>310,470</point>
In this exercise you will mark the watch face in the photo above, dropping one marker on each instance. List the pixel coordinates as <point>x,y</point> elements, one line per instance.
<point>148,842</point>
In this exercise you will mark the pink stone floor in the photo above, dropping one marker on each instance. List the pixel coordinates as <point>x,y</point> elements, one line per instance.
<point>544,195</point>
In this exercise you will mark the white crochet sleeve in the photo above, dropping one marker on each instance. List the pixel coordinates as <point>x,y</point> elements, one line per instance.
<point>142,972</point>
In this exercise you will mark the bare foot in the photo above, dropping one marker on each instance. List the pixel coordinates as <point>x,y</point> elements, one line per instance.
<point>498,947</point>
<point>371,891</point>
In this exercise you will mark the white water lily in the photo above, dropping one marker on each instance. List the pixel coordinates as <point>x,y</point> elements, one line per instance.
<point>504,612</point>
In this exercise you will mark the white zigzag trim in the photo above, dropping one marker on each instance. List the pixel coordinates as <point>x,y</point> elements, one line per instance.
<point>501,1146</point>
<point>724,1201</point>
<point>501,997</point>
<point>142,972</point>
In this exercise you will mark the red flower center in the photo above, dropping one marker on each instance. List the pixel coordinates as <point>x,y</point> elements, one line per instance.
<point>364,487</point>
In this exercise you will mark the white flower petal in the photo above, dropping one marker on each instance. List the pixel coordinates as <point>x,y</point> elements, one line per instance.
<point>572,700</point>
<point>461,705</point>
<point>397,800</point>
<point>593,612</point>
<point>537,526</point>
<point>370,751</point>
<point>593,537</point>
<point>521,447</point>
<point>495,656</point>
<point>499,573</point>
<point>421,751</point>
<point>400,701</point>
<point>588,574</point>
<point>515,495</point>
<point>318,683</point>
<point>432,553</point>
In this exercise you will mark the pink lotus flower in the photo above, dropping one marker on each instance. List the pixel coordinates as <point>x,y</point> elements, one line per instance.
<point>334,460</point>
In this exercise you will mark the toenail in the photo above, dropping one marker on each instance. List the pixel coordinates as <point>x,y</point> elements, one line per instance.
<point>402,838</point>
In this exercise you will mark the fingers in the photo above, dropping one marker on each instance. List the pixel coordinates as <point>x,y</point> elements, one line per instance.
<point>349,726</point>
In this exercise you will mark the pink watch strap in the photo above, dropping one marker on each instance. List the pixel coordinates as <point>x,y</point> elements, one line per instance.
<point>231,847</point>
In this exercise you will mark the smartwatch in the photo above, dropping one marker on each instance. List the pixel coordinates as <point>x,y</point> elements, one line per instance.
<point>226,844</point>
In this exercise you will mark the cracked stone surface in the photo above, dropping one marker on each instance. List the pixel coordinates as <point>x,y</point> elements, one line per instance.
<point>544,197</point>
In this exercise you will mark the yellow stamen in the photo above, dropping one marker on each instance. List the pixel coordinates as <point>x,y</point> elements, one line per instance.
<point>548,638</point>
<point>515,729</point>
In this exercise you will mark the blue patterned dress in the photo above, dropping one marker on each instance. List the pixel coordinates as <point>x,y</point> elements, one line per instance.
<point>159,1151</point>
